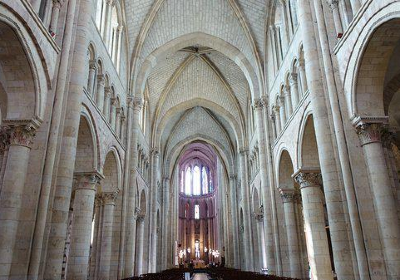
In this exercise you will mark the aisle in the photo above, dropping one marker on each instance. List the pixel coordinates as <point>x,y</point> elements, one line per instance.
<point>200,276</point>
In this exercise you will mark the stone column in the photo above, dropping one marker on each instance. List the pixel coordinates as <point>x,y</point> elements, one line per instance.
<point>107,21</point>
<point>153,217</point>
<point>336,16</point>
<point>266,191</point>
<point>259,217</point>
<point>234,217</point>
<point>106,105</point>
<point>100,91</point>
<point>277,119</point>
<point>113,113</point>
<point>118,122</point>
<point>244,188</point>
<point>92,74</point>
<point>165,223</point>
<point>282,113</point>
<point>139,244</point>
<point>288,196</point>
<point>314,219</point>
<point>303,79</point>
<point>107,234</point>
<point>96,245</point>
<point>369,130</point>
<point>83,205</point>
<point>294,89</point>
<point>123,129</point>
<point>288,103</point>
<point>55,14</point>
<point>18,137</point>
<point>135,105</point>
<point>273,125</point>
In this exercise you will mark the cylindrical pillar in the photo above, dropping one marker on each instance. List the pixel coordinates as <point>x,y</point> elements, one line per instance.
<point>107,103</point>
<point>113,113</point>
<point>83,206</point>
<point>234,217</point>
<point>336,16</point>
<point>100,91</point>
<point>291,231</point>
<point>92,74</point>
<point>282,113</point>
<point>277,120</point>
<point>369,130</point>
<point>54,17</point>
<point>244,188</point>
<point>140,245</point>
<point>19,138</point>
<point>107,235</point>
<point>294,90</point>
<point>135,106</point>
<point>288,103</point>
<point>314,219</point>
<point>303,79</point>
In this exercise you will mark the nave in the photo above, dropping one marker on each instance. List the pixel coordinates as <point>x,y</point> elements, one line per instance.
<point>258,137</point>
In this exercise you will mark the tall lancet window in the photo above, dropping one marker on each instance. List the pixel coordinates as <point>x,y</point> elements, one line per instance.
<point>196,180</point>
<point>204,179</point>
<point>188,181</point>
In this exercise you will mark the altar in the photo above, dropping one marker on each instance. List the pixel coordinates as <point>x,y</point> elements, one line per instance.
<point>199,264</point>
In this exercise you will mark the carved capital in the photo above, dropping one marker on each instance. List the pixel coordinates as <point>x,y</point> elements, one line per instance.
<point>241,228</point>
<point>20,133</point>
<point>110,197</point>
<point>136,103</point>
<point>293,79</point>
<point>87,180</point>
<point>333,4</point>
<point>243,151</point>
<point>287,195</point>
<point>370,129</point>
<point>93,65</point>
<point>98,200</point>
<point>101,79</point>
<point>155,152</point>
<point>258,104</point>
<point>107,92</point>
<point>307,178</point>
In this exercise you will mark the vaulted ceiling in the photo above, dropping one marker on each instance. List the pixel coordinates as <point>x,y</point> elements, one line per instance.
<point>198,63</point>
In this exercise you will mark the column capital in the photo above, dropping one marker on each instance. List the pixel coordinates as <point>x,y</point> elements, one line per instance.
<point>101,78</point>
<point>232,176</point>
<point>258,216</point>
<point>92,64</point>
<point>288,195</point>
<point>243,151</point>
<point>98,200</point>
<point>107,91</point>
<point>258,104</point>
<point>87,180</point>
<point>293,78</point>
<point>309,177</point>
<point>333,4</point>
<point>58,3</point>
<point>135,102</point>
<point>370,129</point>
<point>110,197</point>
<point>18,132</point>
<point>155,152</point>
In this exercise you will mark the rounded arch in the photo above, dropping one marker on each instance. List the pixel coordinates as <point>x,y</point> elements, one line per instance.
<point>21,95</point>
<point>87,114</point>
<point>111,171</point>
<point>308,148</point>
<point>192,39</point>
<point>373,66</point>
<point>385,17</point>
<point>285,171</point>
<point>86,160</point>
